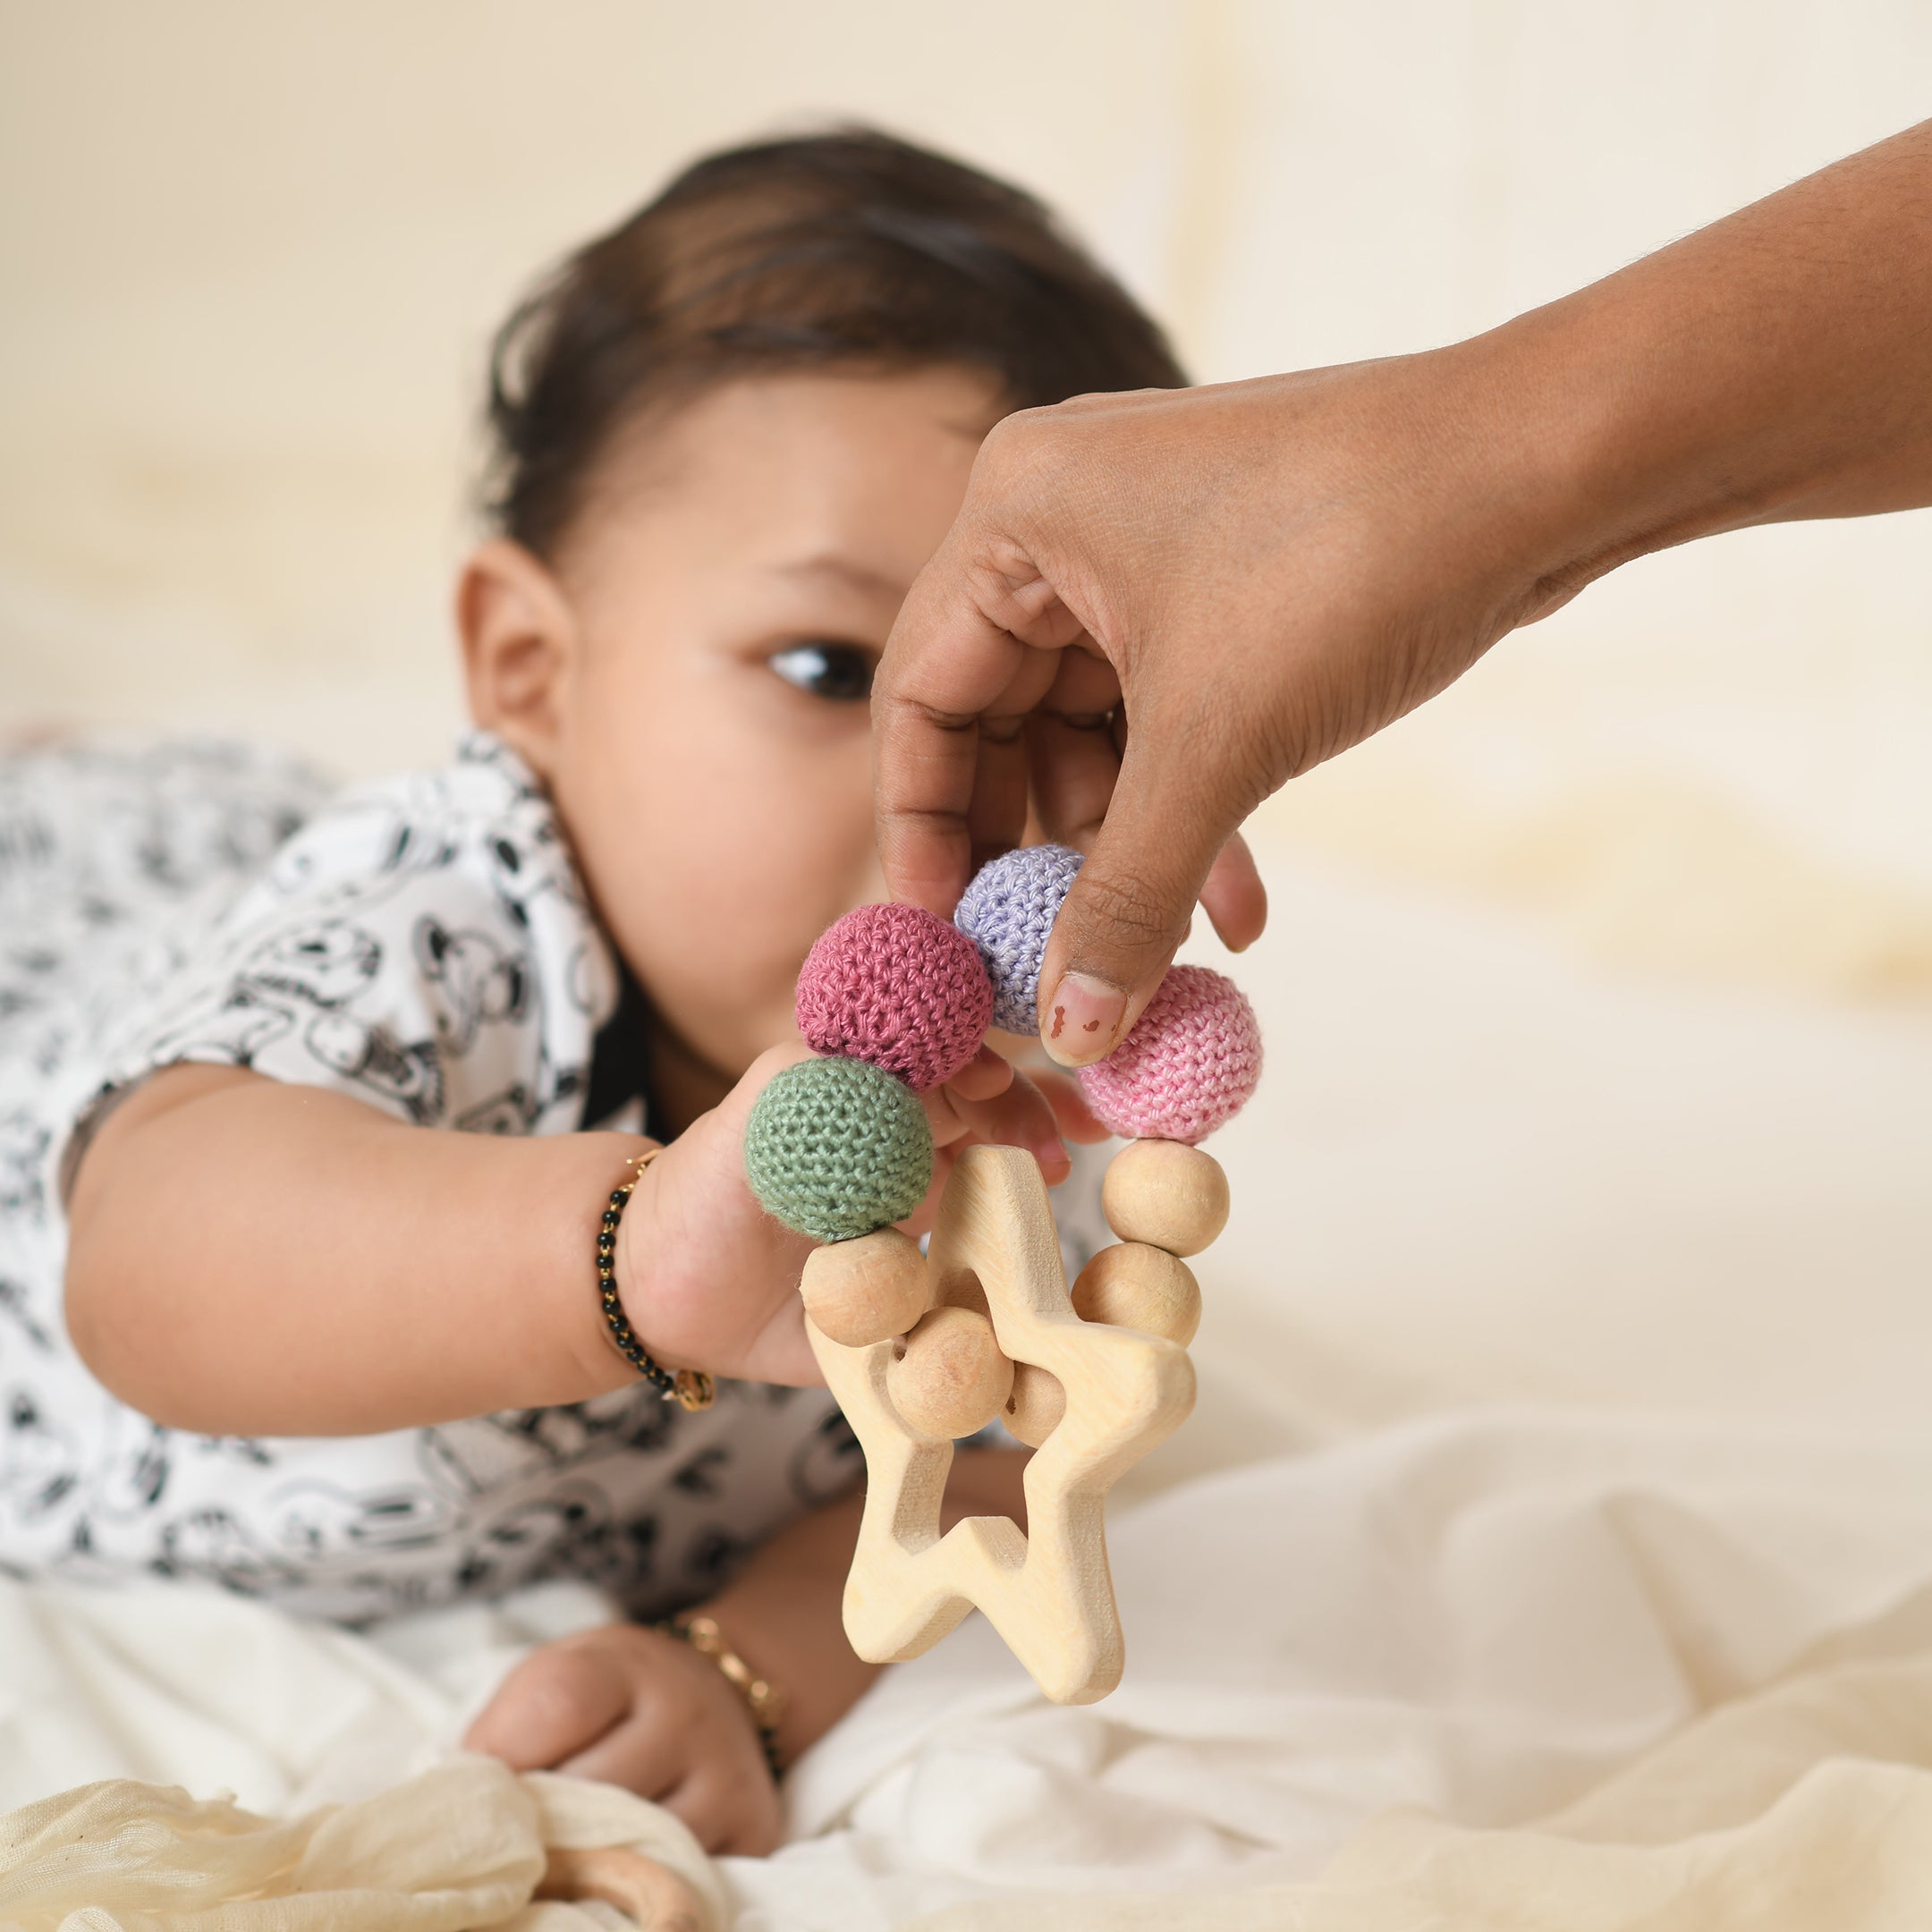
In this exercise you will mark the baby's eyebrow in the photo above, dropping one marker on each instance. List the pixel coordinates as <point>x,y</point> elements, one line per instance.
<point>868,583</point>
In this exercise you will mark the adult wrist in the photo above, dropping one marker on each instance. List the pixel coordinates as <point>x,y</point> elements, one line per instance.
<point>1767,368</point>
<point>1513,483</point>
<point>1563,453</point>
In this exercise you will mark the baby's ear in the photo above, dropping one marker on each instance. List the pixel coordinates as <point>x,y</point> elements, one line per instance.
<point>519,646</point>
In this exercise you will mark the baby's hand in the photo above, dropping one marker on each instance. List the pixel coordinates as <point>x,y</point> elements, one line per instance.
<point>991,1100</point>
<point>636,1708</point>
<point>709,1280</point>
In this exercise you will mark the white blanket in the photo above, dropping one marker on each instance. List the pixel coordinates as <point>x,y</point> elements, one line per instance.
<point>1484,1615</point>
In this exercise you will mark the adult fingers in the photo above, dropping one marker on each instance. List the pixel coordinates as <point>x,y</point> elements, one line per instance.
<point>1233,896</point>
<point>1073,748</point>
<point>981,625</point>
<point>1130,906</point>
<point>945,663</point>
<point>996,817</point>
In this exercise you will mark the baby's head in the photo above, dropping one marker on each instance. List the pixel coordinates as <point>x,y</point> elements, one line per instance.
<point>728,435</point>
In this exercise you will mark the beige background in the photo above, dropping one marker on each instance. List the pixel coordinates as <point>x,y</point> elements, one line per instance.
<point>250,256</point>
<point>1614,965</point>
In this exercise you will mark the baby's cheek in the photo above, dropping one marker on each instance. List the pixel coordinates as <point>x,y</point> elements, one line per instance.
<point>752,901</point>
<point>721,850</point>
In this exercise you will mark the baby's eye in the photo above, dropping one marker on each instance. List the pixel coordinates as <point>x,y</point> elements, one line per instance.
<point>841,672</point>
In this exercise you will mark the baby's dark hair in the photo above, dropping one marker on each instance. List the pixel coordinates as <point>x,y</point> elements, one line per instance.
<point>846,248</point>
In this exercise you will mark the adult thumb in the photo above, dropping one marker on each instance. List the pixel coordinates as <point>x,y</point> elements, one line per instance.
<point>1127,913</point>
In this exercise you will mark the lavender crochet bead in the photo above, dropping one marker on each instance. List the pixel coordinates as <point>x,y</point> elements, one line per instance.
<point>1007,912</point>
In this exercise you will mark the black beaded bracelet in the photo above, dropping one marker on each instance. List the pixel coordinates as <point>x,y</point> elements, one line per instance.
<point>690,1388</point>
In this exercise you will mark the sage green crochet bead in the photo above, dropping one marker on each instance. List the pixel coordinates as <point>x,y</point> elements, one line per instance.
<point>835,1149</point>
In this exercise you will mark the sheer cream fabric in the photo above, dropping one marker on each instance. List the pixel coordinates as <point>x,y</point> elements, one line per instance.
<point>464,1844</point>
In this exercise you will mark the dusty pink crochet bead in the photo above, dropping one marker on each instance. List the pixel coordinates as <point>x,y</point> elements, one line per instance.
<point>895,985</point>
<point>1190,1065</point>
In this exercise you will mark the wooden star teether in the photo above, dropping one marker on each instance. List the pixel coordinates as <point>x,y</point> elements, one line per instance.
<point>921,1349</point>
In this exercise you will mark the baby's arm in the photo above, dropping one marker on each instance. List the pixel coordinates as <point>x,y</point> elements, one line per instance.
<point>253,1256</point>
<point>248,1257</point>
<point>637,1707</point>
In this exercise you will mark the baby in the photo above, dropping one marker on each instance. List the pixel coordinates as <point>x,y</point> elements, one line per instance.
<point>317,1132</point>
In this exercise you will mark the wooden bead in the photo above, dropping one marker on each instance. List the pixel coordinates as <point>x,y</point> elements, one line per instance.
<point>1135,1286</point>
<point>1045,1589</point>
<point>1165,1194</point>
<point>865,1291</point>
<point>952,1379</point>
<point>1033,1410</point>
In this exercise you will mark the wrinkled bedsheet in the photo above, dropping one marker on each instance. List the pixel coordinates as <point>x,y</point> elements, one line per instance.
<point>1491,1669</point>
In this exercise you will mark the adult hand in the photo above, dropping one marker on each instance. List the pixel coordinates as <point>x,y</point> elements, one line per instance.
<point>1155,609</point>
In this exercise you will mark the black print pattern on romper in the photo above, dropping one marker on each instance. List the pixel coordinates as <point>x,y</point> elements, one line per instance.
<point>13,1306</point>
<point>479,978</point>
<point>423,945</point>
<point>37,1458</point>
<point>132,1480</point>
<point>409,1076</point>
<point>829,1463</point>
<point>24,1144</point>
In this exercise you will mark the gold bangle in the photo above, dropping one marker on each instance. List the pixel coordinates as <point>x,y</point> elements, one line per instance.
<point>763,1699</point>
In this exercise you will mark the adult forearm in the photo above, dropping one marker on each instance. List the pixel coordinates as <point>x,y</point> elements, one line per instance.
<point>252,1258</point>
<point>1261,574</point>
<point>1776,365</point>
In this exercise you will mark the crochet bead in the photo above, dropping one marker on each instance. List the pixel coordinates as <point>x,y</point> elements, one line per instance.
<point>1190,1062</point>
<point>835,1149</point>
<point>897,986</point>
<point>1008,911</point>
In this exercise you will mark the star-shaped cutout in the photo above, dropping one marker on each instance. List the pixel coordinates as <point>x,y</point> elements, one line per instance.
<point>1048,1593</point>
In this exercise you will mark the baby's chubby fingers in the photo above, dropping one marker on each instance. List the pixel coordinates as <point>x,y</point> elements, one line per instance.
<point>638,1708</point>
<point>985,1077</point>
<point>644,1754</point>
<point>553,1707</point>
<point>708,1276</point>
<point>1013,1114</point>
<point>730,1815</point>
<point>1072,1116</point>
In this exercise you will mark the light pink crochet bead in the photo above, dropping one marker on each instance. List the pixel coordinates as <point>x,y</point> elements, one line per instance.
<point>1190,1065</point>
<point>899,986</point>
